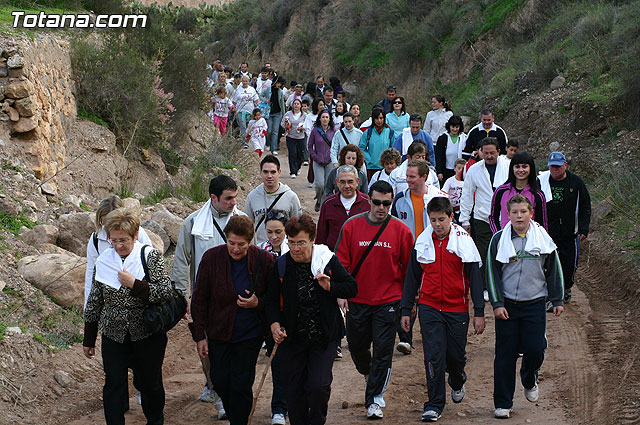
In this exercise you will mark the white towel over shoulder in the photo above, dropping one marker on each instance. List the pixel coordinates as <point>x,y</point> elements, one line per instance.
<point>203,222</point>
<point>320,257</point>
<point>460,244</point>
<point>109,264</point>
<point>545,185</point>
<point>407,139</point>
<point>538,242</point>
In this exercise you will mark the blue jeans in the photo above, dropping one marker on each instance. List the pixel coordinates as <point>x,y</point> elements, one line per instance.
<point>273,124</point>
<point>243,127</point>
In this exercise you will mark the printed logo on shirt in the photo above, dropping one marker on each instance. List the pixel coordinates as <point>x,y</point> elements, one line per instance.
<point>557,194</point>
<point>379,243</point>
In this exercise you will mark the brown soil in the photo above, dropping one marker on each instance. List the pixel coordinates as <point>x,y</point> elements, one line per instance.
<point>588,376</point>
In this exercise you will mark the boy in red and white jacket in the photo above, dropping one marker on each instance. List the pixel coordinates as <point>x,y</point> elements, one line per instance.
<point>444,265</point>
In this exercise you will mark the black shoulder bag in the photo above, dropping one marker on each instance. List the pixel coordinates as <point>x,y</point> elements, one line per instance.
<point>275,201</point>
<point>162,316</point>
<point>370,247</point>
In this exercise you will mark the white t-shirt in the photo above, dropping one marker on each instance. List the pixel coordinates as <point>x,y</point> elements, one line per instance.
<point>244,98</point>
<point>222,107</point>
<point>453,187</point>
<point>347,203</point>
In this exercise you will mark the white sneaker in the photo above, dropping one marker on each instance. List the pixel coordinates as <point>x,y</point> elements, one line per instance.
<point>501,413</point>
<point>278,419</point>
<point>139,398</point>
<point>207,395</point>
<point>275,153</point>
<point>222,414</point>
<point>305,163</point>
<point>374,412</point>
<point>430,416</point>
<point>404,347</point>
<point>532,394</point>
<point>458,396</point>
<point>485,294</point>
<point>310,185</point>
<point>293,175</point>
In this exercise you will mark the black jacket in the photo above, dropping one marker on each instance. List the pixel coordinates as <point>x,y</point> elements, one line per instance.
<point>569,209</point>
<point>282,297</point>
<point>477,134</point>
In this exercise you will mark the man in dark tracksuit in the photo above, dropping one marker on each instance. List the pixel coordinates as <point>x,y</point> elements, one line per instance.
<point>519,279</point>
<point>443,281</point>
<point>569,214</point>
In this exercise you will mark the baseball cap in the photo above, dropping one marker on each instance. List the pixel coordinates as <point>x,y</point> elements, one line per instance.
<point>391,88</point>
<point>557,158</point>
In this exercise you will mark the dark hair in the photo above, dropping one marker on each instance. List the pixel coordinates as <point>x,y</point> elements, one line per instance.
<point>375,112</point>
<point>489,141</point>
<point>240,225</point>
<point>328,89</point>
<point>391,88</point>
<point>390,154</point>
<point>415,117</point>
<point>270,159</point>
<point>354,104</point>
<point>522,157</point>
<point>311,88</point>
<point>278,79</point>
<point>293,83</point>
<point>453,121</point>
<point>319,76</point>
<point>344,104</point>
<point>440,98</point>
<point>348,115</point>
<point>519,199</point>
<point>421,165</point>
<point>380,186</point>
<point>244,63</point>
<point>342,155</point>
<point>417,146</point>
<point>253,74</point>
<point>305,102</point>
<point>486,111</point>
<point>334,82</point>
<point>220,183</point>
<point>255,111</point>
<point>318,124</point>
<point>514,143</point>
<point>314,105</point>
<point>265,69</point>
<point>304,223</point>
<point>404,107</point>
<point>440,204</point>
<point>277,215</point>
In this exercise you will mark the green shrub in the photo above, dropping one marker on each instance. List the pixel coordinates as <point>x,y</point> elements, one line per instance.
<point>3,329</point>
<point>496,12</point>
<point>162,191</point>
<point>86,115</point>
<point>13,225</point>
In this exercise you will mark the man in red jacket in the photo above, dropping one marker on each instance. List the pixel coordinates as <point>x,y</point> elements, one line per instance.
<point>385,244</point>
<point>444,265</point>
<point>337,208</point>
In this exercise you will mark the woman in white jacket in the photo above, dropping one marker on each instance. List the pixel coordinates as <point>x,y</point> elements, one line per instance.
<point>449,148</point>
<point>437,118</point>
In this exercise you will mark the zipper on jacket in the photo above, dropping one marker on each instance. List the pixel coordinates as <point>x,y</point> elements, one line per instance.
<point>441,281</point>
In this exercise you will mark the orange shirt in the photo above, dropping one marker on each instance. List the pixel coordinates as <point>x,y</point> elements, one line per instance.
<point>418,206</point>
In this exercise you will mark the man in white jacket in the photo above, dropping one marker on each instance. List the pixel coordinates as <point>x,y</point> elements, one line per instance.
<point>203,229</point>
<point>479,183</point>
<point>270,195</point>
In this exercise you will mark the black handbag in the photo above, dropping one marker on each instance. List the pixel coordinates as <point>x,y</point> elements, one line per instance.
<point>162,316</point>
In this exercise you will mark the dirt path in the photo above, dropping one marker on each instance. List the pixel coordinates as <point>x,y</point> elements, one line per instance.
<point>572,378</point>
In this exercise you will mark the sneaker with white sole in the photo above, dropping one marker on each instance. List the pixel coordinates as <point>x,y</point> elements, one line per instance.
<point>485,294</point>
<point>305,163</point>
<point>532,394</point>
<point>501,413</point>
<point>404,347</point>
<point>222,414</point>
<point>458,396</point>
<point>293,175</point>
<point>430,416</point>
<point>374,411</point>
<point>275,153</point>
<point>207,395</point>
<point>278,419</point>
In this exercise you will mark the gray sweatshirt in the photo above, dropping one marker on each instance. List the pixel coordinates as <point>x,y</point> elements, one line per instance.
<point>259,201</point>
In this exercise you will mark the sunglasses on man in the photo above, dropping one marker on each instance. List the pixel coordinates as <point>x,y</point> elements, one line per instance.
<point>378,202</point>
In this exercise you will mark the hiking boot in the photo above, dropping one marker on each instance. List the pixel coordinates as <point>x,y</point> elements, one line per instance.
<point>278,419</point>
<point>404,347</point>
<point>430,416</point>
<point>501,413</point>
<point>458,396</point>
<point>374,412</point>
<point>532,394</point>
<point>567,296</point>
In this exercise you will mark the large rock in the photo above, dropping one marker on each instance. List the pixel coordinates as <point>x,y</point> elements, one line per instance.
<point>19,89</point>
<point>557,82</point>
<point>61,276</point>
<point>15,61</point>
<point>75,230</point>
<point>155,228</point>
<point>169,222</point>
<point>157,242</point>
<point>133,203</point>
<point>25,107</point>
<point>40,234</point>
<point>8,206</point>
<point>25,124</point>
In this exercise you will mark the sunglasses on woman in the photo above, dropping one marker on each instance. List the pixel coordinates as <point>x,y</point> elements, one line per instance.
<point>378,202</point>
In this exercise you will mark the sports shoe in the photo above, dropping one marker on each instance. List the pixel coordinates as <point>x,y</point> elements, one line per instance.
<point>374,411</point>
<point>305,163</point>
<point>532,394</point>
<point>430,416</point>
<point>501,413</point>
<point>222,414</point>
<point>339,354</point>
<point>404,347</point>
<point>485,294</point>
<point>458,396</point>
<point>310,185</point>
<point>278,419</point>
<point>275,153</point>
<point>549,307</point>
<point>139,398</point>
<point>293,175</point>
<point>567,296</point>
<point>207,395</point>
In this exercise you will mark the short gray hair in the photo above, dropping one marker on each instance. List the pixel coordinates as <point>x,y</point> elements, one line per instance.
<point>346,169</point>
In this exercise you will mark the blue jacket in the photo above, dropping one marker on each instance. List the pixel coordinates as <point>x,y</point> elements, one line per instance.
<point>373,143</point>
<point>422,135</point>
<point>397,123</point>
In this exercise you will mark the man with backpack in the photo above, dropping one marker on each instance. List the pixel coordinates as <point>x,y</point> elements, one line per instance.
<point>200,231</point>
<point>368,241</point>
